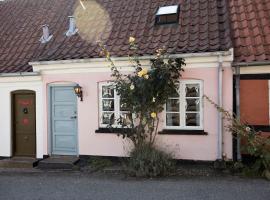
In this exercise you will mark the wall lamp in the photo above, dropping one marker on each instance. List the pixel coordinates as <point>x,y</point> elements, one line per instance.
<point>78,91</point>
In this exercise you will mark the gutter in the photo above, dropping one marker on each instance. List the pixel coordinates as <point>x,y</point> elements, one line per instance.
<point>250,64</point>
<point>22,74</point>
<point>148,57</point>
<point>220,103</point>
<point>237,94</point>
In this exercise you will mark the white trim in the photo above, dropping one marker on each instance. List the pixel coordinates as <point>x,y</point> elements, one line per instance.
<point>100,101</point>
<point>255,70</point>
<point>117,112</point>
<point>228,53</point>
<point>167,10</point>
<point>194,60</point>
<point>5,115</point>
<point>182,104</point>
<point>19,79</point>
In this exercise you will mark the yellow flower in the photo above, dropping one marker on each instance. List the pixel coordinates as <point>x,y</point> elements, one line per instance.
<point>132,87</point>
<point>131,40</point>
<point>146,76</point>
<point>108,55</point>
<point>153,115</point>
<point>143,72</point>
<point>154,99</point>
<point>140,74</point>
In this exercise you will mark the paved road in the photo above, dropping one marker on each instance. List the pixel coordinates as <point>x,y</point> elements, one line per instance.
<point>66,186</point>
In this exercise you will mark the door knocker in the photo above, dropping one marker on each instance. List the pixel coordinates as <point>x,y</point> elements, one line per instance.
<point>25,110</point>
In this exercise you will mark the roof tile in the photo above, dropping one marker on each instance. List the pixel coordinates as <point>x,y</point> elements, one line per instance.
<point>250,20</point>
<point>203,26</point>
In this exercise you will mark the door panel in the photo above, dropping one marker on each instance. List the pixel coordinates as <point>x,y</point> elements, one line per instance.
<point>63,120</point>
<point>24,124</point>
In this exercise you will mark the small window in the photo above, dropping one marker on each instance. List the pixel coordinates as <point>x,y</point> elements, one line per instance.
<point>167,14</point>
<point>111,107</point>
<point>184,110</point>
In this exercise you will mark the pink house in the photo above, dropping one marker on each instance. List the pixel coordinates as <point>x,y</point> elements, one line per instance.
<point>48,47</point>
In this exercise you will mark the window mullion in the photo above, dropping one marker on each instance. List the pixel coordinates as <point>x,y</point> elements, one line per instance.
<point>182,105</point>
<point>116,106</point>
<point>100,105</point>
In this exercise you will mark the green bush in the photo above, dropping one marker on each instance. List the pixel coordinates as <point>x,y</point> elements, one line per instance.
<point>100,163</point>
<point>147,161</point>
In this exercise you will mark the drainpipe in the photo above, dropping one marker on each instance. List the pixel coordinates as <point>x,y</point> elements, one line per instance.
<point>237,93</point>
<point>220,103</point>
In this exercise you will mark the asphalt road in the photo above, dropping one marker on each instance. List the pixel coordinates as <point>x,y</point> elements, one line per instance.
<point>66,186</point>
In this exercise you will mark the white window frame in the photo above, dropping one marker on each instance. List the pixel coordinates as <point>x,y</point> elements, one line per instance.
<point>117,111</point>
<point>182,105</point>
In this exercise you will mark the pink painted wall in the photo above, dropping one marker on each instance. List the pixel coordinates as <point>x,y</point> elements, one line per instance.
<point>181,146</point>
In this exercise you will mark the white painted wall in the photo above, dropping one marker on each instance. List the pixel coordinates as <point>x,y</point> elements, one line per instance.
<point>8,85</point>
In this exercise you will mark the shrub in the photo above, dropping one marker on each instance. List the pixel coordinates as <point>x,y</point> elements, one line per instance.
<point>100,163</point>
<point>143,94</point>
<point>255,144</point>
<point>147,161</point>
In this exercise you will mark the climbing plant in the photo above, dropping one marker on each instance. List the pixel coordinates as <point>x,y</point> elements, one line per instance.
<point>144,92</point>
<point>254,143</point>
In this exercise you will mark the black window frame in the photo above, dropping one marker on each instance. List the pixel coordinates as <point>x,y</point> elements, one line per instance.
<point>157,21</point>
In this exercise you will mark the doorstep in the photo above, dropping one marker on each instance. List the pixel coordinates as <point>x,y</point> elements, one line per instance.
<point>19,163</point>
<point>59,163</point>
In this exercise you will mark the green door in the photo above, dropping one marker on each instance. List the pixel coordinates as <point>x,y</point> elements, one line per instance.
<point>63,120</point>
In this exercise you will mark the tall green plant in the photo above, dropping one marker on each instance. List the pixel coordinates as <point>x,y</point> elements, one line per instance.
<point>144,91</point>
<point>255,144</point>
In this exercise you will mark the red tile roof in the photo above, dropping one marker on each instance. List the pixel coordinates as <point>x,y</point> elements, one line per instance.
<point>203,27</point>
<point>250,25</point>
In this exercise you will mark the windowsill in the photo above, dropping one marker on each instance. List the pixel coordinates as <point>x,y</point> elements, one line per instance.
<point>113,130</point>
<point>163,132</point>
<point>182,132</point>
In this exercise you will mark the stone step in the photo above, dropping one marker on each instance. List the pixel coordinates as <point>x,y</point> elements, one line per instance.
<point>18,162</point>
<point>58,163</point>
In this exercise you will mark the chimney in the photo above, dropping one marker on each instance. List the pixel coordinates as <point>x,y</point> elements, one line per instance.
<point>72,30</point>
<point>46,34</point>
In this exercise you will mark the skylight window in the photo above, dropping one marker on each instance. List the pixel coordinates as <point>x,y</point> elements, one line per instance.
<point>167,14</point>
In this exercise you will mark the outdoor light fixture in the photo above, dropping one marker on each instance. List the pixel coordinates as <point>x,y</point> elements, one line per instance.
<point>78,91</point>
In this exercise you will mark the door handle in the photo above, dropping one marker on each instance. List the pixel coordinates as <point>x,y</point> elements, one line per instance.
<point>73,117</point>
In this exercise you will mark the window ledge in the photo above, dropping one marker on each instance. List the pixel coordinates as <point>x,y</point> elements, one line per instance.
<point>182,132</point>
<point>113,130</point>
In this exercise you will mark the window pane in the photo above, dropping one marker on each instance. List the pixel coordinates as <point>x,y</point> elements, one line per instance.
<point>108,118</point>
<point>192,104</point>
<point>176,94</point>
<point>123,106</point>
<point>108,105</point>
<point>172,119</point>
<point>192,119</point>
<point>107,91</point>
<point>172,105</point>
<point>126,117</point>
<point>192,90</point>
<point>172,18</point>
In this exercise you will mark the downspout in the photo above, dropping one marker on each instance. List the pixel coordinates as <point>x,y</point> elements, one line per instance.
<point>237,102</point>
<point>220,103</point>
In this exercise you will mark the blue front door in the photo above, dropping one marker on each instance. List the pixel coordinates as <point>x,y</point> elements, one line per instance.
<point>63,120</point>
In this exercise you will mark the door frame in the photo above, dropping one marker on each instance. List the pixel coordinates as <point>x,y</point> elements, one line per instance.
<point>49,116</point>
<point>13,124</point>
